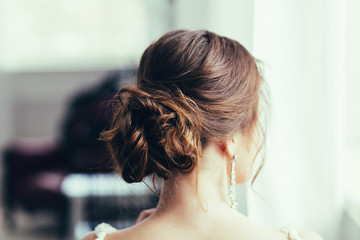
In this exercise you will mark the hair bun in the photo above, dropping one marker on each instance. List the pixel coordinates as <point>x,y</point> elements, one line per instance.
<point>153,132</point>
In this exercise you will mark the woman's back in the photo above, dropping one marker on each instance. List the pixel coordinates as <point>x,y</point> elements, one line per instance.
<point>217,225</point>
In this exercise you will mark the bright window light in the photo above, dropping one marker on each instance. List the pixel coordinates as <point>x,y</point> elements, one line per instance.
<point>54,35</point>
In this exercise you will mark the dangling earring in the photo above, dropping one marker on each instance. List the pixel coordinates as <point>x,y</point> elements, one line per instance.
<point>232,195</point>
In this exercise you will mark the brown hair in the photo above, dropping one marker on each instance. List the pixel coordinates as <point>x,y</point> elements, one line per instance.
<point>192,87</point>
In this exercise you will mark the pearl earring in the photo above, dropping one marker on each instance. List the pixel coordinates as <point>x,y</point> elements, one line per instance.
<point>231,193</point>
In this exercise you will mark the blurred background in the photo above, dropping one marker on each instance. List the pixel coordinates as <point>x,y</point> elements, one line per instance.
<point>60,61</point>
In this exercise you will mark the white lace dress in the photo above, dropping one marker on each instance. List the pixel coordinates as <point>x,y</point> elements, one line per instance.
<point>103,229</point>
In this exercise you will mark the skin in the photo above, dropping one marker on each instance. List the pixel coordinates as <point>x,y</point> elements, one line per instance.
<point>184,214</point>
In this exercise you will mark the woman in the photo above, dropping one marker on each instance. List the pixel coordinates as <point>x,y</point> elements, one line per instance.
<point>193,120</point>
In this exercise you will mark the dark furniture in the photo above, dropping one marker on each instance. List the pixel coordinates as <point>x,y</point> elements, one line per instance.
<point>33,172</point>
<point>34,169</point>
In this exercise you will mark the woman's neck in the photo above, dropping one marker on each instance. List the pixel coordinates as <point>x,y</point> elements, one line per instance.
<point>204,188</point>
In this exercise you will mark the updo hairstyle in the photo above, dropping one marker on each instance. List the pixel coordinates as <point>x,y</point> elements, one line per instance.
<point>192,87</point>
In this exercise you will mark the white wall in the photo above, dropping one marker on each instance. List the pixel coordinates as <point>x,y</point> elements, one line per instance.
<point>5,109</point>
<point>353,74</point>
<point>231,18</point>
<point>37,101</point>
<point>352,119</point>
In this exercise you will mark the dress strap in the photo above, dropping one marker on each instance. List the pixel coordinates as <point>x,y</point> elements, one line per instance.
<point>103,229</point>
<point>292,233</point>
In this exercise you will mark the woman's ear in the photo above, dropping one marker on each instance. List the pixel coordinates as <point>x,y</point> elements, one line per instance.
<point>222,147</point>
<point>228,147</point>
<point>231,147</point>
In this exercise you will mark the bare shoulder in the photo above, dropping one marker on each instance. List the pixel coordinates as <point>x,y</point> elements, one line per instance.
<point>309,235</point>
<point>120,234</point>
<point>90,236</point>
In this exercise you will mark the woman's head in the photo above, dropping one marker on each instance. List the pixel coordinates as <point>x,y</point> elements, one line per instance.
<point>192,88</point>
